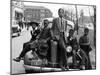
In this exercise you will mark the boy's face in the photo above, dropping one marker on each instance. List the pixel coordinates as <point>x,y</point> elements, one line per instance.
<point>86,32</point>
<point>71,33</point>
<point>75,47</point>
<point>46,23</point>
<point>61,13</point>
<point>33,26</point>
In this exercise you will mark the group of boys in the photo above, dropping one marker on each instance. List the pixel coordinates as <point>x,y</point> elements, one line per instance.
<point>57,34</point>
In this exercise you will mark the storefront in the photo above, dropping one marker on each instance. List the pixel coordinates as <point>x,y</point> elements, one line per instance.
<point>17,12</point>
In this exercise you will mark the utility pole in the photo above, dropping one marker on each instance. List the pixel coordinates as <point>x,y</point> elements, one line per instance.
<point>94,25</point>
<point>76,19</point>
<point>93,19</point>
<point>82,15</point>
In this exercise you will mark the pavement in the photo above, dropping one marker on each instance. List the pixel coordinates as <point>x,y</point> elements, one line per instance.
<point>17,45</point>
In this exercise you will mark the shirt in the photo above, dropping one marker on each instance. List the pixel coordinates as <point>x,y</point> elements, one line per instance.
<point>72,41</point>
<point>34,34</point>
<point>85,43</point>
<point>62,24</point>
<point>84,40</point>
<point>45,33</point>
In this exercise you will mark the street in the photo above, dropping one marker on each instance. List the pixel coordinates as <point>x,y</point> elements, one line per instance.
<point>17,45</point>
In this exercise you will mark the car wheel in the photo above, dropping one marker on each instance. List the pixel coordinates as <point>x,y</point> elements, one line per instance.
<point>28,71</point>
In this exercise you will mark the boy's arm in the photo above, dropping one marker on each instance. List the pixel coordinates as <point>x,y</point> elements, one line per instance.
<point>52,28</point>
<point>38,36</point>
<point>80,40</point>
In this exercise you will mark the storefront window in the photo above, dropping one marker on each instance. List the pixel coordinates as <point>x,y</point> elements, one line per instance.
<point>42,15</point>
<point>18,16</point>
<point>42,10</point>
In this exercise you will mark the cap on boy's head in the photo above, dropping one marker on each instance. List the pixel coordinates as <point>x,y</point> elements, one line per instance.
<point>71,30</point>
<point>35,23</point>
<point>86,29</point>
<point>46,20</point>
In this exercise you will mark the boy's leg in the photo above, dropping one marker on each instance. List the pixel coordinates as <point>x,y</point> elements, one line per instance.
<point>89,63</point>
<point>84,62</point>
<point>74,60</point>
<point>26,48</point>
<point>63,54</point>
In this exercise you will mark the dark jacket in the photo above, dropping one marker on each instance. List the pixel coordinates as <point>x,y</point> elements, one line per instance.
<point>45,34</point>
<point>85,43</point>
<point>34,34</point>
<point>72,41</point>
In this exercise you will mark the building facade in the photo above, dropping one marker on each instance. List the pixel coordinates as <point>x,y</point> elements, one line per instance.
<point>36,13</point>
<point>17,10</point>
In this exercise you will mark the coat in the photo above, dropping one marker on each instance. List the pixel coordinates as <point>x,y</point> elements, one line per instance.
<point>56,27</point>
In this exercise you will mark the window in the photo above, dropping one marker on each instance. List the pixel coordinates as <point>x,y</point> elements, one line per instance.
<point>42,10</point>
<point>18,15</point>
<point>42,15</point>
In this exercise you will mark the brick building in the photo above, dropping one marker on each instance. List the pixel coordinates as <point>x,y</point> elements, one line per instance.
<point>17,8</point>
<point>36,13</point>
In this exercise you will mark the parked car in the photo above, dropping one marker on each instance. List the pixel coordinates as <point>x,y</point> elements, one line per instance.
<point>15,30</point>
<point>32,61</point>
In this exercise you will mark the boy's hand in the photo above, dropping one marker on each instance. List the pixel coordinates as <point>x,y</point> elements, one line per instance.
<point>37,37</point>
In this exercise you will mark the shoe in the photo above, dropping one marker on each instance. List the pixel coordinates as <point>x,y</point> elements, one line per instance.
<point>67,68</point>
<point>82,67</point>
<point>74,67</point>
<point>63,68</point>
<point>17,59</point>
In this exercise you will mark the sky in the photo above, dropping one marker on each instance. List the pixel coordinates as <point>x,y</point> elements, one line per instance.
<point>88,10</point>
